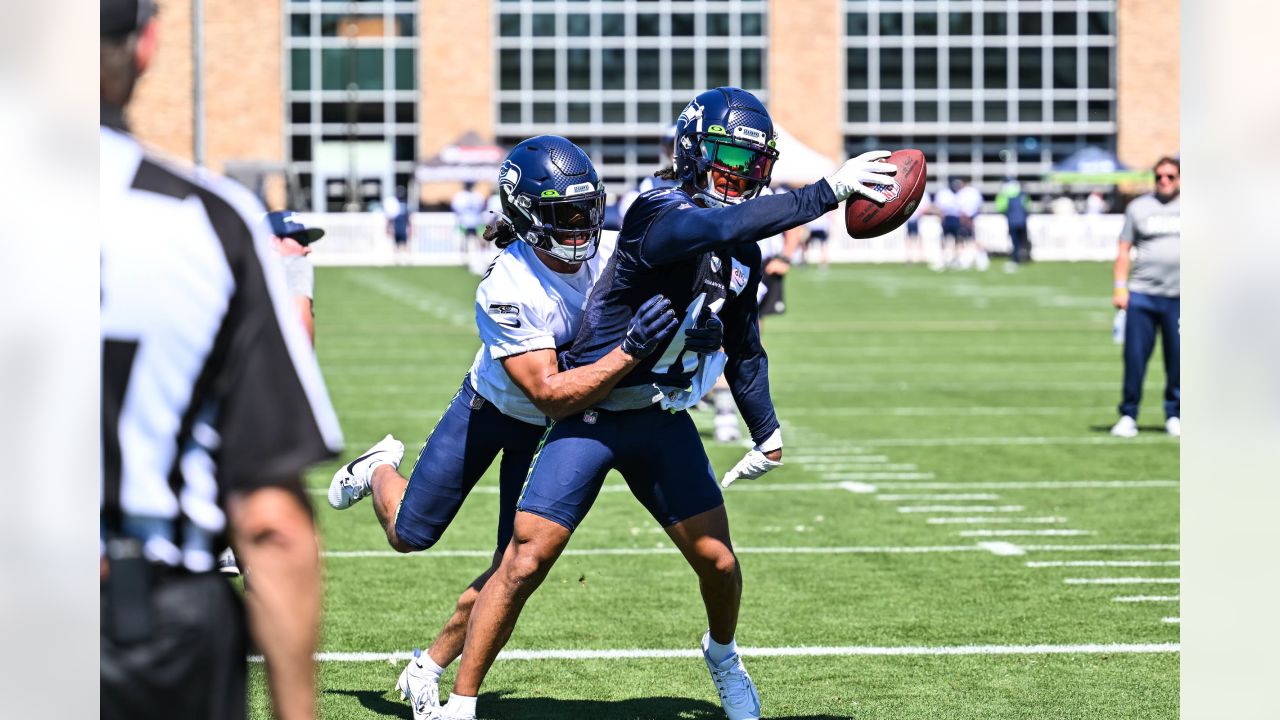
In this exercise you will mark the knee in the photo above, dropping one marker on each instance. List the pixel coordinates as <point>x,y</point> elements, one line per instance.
<point>398,543</point>
<point>721,565</point>
<point>528,564</point>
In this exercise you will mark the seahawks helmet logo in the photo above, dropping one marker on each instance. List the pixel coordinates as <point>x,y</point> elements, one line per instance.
<point>509,178</point>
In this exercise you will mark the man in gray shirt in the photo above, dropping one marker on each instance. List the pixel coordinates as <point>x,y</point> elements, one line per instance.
<point>1150,295</point>
<point>293,244</point>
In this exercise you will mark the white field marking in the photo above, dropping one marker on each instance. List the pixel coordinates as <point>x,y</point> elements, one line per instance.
<point>1027,385</point>
<point>836,550</point>
<point>1102,563</point>
<point>1171,620</point>
<point>942,411</point>
<point>995,520</point>
<point>1021,533</point>
<point>840,460</point>
<point>441,307</point>
<point>1086,548</point>
<point>944,496</point>
<point>865,467</point>
<point>959,508</point>
<point>877,475</point>
<point>802,651</point>
<point>1152,438</point>
<point>1046,485</point>
<point>827,449</point>
<point>1147,598</point>
<point>1000,547</point>
<point>1123,581</point>
<point>857,487</point>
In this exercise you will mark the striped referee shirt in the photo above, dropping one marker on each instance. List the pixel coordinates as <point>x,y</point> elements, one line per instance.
<point>208,382</point>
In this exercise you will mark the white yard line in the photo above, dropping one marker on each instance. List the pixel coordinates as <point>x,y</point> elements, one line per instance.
<point>959,508</point>
<point>1147,598</point>
<point>1123,581</point>
<point>1146,438</point>
<point>1087,548</point>
<point>792,651</point>
<point>1045,485</point>
<point>942,411</point>
<point>838,460</point>
<point>1022,533</point>
<point>1171,620</point>
<point>1102,563</point>
<point>835,550</point>
<point>877,476</point>
<point>944,496</point>
<point>1000,547</point>
<point>996,520</point>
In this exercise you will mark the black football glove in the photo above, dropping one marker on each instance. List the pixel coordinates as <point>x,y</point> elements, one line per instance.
<point>706,339</point>
<point>653,323</point>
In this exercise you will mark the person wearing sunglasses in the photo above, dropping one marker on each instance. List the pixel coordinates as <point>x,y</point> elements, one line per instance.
<point>696,245</point>
<point>1147,286</point>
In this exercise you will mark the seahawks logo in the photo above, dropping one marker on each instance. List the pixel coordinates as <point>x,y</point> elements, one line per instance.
<point>509,178</point>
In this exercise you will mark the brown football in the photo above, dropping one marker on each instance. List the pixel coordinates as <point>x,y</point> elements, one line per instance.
<point>865,218</point>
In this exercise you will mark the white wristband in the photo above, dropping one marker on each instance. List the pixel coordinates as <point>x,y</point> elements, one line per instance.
<point>771,443</point>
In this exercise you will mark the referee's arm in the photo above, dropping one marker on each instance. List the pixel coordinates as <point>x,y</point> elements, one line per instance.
<point>273,534</point>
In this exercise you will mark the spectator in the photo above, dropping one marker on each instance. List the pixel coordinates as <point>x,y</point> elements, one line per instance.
<point>212,408</point>
<point>1012,202</point>
<point>468,207</point>
<point>1151,295</point>
<point>915,246</point>
<point>399,224</point>
<point>970,200</point>
<point>1095,204</point>
<point>292,242</point>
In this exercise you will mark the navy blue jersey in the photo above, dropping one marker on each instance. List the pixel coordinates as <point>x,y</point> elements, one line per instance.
<point>704,260</point>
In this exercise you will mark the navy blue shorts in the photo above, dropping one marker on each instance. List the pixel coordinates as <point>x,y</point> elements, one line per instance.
<point>658,453</point>
<point>464,444</point>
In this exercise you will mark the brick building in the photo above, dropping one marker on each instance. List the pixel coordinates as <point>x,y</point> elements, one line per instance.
<point>343,95</point>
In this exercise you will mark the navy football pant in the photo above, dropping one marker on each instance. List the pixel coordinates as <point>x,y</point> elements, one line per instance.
<point>463,445</point>
<point>658,453</point>
<point>1148,315</point>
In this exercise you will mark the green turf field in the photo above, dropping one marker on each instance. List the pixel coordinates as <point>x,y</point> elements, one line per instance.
<point>932,421</point>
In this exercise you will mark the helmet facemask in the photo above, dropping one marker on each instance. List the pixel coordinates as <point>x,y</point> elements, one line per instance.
<point>566,228</point>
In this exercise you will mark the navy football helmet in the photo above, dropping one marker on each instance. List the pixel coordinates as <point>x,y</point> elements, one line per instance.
<point>725,146</point>
<point>553,198</point>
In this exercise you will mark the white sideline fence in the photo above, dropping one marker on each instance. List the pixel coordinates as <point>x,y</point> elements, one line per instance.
<point>361,239</point>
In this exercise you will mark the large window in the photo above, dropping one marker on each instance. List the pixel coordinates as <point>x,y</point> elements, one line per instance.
<point>351,98</point>
<point>987,88</point>
<point>612,75</point>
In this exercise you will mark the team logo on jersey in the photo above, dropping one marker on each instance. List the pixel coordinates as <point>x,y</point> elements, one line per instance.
<point>738,280</point>
<point>890,191</point>
<point>508,315</point>
<point>589,417</point>
<point>509,178</point>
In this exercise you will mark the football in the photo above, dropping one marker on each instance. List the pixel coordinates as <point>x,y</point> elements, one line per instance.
<point>865,218</point>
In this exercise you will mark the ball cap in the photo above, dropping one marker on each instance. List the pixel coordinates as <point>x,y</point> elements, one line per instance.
<point>285,223</point>
<point>121,17</point>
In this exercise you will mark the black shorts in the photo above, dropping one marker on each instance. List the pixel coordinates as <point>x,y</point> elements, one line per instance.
<point>773,303</point>
<point>816,237</point>
<point>402,240</point>
<point>192,665</point>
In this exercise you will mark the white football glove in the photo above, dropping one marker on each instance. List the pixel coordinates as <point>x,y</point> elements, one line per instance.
<point>751,466</point>
<point>854,177</point>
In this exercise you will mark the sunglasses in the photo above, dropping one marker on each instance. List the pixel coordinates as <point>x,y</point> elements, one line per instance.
<point>1163,176</point>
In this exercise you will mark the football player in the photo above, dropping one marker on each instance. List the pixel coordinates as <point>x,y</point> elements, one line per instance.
<point>695,245</point>
<point>529,303</point>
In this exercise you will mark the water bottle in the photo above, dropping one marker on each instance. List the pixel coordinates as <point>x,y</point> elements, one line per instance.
<point>1117,328</point>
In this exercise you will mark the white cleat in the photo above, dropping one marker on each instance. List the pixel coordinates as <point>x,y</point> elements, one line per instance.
<point>738,694</point>
<point>1173,426</point>
<point>354,480</point>
<point>1125,427</point>
<point>420,687</point>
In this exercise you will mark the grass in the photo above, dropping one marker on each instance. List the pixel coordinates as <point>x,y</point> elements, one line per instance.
<point>957,378</point>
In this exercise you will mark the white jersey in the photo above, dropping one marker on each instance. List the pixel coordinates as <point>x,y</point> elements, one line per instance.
<point>522,305</point>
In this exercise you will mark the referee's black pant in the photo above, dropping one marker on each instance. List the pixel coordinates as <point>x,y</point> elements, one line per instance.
<point>192,667</point>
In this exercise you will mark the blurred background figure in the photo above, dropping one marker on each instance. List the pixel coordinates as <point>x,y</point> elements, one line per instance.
<point>817,233</point>
<point>658,179</point>
<point>914,243</point>
<point>292,240</point>
<point>1096,204</point>
<point>1012,203</point>
<point>1149,290</point>
<point>972,255</point>
<point>399,227</point>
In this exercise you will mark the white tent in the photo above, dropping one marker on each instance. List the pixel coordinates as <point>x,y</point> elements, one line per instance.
<point>798,164</point>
